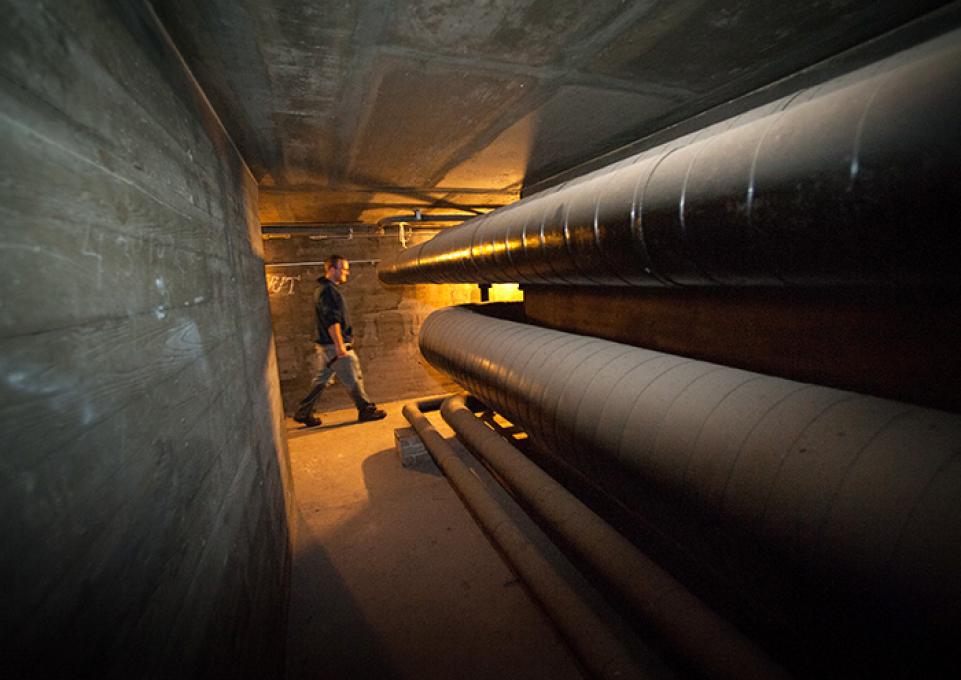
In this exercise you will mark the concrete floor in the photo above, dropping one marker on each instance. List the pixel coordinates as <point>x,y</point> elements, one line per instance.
<point>392,578</point>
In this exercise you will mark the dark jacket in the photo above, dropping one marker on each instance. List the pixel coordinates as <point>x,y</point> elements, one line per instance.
<point>330,308</point>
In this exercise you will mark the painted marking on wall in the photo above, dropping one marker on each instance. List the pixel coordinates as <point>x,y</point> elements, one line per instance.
<point>277,283</point>
<point>90,250</point>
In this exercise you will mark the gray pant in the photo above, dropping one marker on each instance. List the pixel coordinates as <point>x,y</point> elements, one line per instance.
<point>326,367</point>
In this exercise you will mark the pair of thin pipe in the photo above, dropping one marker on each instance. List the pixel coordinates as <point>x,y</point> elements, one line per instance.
<point>704,642</point>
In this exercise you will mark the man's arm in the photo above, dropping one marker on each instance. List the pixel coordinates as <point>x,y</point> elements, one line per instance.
<point>338,338</point>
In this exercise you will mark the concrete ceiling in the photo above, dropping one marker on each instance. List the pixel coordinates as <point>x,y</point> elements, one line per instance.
<point>349,111</point>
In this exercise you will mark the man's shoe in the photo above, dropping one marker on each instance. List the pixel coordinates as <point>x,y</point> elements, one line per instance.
<point>307,420</point>
<point>371,412</point>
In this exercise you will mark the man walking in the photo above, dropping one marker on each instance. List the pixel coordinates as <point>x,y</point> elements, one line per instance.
<point>333,353</point>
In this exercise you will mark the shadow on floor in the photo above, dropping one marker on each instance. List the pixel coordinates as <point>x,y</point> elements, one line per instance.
<point>328,636</point>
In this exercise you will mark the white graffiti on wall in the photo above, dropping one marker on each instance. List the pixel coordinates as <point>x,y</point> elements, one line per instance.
<point>278,283</point>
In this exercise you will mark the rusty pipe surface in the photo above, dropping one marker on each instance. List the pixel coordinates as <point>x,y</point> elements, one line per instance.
<point>831,487</point>
<point>856,181</point>
<point>597,647</point>
<point>709,644</point>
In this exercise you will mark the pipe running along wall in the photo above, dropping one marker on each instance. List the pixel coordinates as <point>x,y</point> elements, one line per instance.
<point>854,181</point>
<point>591,638</point>
<point>706,642</point>
<point>830,487</point>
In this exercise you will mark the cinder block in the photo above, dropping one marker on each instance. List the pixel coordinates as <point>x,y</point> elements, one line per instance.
<point>409,447</point>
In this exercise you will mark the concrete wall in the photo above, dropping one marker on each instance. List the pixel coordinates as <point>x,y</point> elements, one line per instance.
<point>143,472</point>
<point>385,319</point>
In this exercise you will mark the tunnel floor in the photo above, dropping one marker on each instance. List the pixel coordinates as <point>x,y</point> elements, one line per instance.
<point>391,576</point>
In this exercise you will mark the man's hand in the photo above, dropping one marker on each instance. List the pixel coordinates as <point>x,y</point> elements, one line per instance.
<point>339,345</point>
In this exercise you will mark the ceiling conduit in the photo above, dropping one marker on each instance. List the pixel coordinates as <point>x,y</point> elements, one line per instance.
<point>856,181</point>
<point>825,491</point>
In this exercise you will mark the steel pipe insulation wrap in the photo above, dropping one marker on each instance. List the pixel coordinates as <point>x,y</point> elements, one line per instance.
<point>837,486</point>
<point>854,181</point>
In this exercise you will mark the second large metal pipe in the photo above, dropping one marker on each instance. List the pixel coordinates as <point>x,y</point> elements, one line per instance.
<point>806,485</point>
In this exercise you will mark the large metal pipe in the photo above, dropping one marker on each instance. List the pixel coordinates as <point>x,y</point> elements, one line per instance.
<point>708,644</point>
<point>823,492</point>
<point>854,181</point>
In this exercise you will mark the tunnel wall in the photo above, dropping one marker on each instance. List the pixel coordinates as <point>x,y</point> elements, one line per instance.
<point>144,473</point>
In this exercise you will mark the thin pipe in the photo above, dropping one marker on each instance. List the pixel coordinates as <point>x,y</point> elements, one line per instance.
<point>595,645</point>
<point>314,264</point>
<point>701,638</point>
<point>417,216</point>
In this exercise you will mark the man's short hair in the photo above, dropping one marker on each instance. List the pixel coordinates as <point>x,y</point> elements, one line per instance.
<point>332,261</point>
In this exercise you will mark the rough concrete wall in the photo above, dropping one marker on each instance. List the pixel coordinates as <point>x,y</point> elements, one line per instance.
<point>143,472</point>
<point>386,319</point>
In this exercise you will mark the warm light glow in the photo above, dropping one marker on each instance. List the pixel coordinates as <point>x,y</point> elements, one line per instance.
<point>506,292</point>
